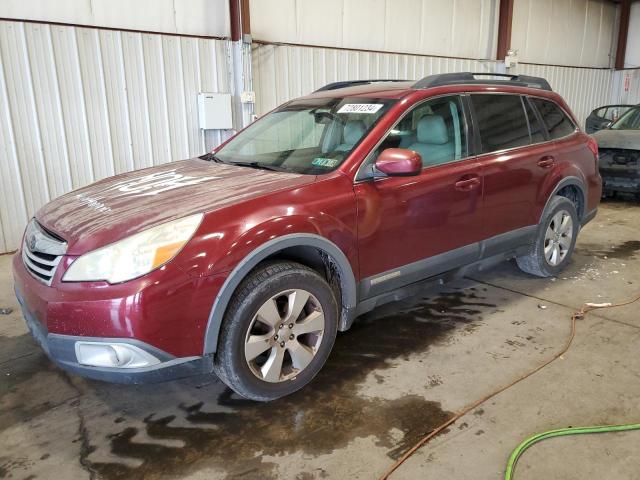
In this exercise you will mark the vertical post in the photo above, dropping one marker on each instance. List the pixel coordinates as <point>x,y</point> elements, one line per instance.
<point>623,32</point>
<point>240,27</point>
<point>505,19</point>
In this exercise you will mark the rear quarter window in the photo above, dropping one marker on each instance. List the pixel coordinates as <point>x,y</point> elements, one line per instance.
<point>557,122</point>
<point>501,120</point>
<point>537,130</point>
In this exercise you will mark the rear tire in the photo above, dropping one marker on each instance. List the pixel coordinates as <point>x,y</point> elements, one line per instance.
<point>278,331</point>
<point>555,240</point>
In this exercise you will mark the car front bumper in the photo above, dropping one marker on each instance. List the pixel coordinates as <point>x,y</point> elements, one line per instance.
<point>61,349</point>
<point>162,315</point>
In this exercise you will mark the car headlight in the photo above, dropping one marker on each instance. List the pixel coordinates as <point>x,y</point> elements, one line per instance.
<point>136,255</point>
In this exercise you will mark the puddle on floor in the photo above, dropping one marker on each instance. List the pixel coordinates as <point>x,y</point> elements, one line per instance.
<point>21,360</point>
<point>622,251</point>
<point>215,428</point>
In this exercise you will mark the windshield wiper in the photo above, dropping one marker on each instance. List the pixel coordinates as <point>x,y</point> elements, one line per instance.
<point>260,166</point>
<point>210,157</point>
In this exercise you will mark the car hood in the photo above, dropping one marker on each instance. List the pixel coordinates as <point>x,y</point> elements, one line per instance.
<point>119,206</point>
<point>629,139</point>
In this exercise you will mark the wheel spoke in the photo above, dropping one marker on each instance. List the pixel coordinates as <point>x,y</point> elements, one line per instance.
<point>313,323</point>
<point>548,247</point>
<point>269,314</point>
<point>272,368</point>
<point>566,224</point>
<point>557,220</point>
<point>256,345</point>
<point>549,234</point>
<point>297,300</point>
<point>301,355</point>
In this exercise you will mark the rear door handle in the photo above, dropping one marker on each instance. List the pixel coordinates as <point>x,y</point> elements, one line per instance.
<point>547,161</point>
<point>468,184</point>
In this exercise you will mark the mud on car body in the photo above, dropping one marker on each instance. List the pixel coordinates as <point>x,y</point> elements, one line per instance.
<point>247,261</point>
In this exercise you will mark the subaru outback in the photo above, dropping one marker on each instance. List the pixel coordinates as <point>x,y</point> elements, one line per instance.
<point>247,261</point>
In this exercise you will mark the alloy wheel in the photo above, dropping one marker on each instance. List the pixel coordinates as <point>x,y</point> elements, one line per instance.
<point>284,335</point>
<point>557,239</point>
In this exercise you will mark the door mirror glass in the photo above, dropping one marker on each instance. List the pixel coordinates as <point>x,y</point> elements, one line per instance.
<point>399,162</point>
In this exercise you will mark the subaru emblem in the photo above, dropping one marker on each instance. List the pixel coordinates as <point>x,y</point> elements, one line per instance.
<point>32,242</point>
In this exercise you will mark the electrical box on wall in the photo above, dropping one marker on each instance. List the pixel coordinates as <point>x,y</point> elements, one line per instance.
<point>214,111</point>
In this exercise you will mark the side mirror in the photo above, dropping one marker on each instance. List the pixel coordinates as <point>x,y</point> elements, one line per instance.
<point>399,162</point>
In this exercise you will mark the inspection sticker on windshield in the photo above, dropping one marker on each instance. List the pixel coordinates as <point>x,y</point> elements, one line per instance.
<point>325,162</point>
<point>360,108</point>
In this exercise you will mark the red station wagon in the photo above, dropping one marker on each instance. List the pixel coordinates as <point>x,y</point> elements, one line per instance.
<point>248,260</point>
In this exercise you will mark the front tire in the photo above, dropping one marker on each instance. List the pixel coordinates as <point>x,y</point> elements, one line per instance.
<point>555,240</point>
<point>277,332</point>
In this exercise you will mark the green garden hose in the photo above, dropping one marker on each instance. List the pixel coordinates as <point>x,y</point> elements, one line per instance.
<point>561,432</point>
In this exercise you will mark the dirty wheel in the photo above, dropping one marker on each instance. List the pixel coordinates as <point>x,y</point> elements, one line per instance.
<point>555,240</point>
<point>278,331</point>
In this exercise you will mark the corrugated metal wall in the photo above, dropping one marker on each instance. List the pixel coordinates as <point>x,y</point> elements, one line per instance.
<point>461,28</point>
<point>632,55</point>
<point>565,32</point>
<point>282,72</point>
<point>191,17</point>
<point>80,104</point>
<point>560,32</point>
<point>631,96</point>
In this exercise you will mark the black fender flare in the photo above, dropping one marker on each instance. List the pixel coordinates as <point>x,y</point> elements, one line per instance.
<point>565,182</point>
<point>347,278</point>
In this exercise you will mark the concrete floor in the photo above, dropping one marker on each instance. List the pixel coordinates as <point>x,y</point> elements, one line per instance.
<point>398,373</point>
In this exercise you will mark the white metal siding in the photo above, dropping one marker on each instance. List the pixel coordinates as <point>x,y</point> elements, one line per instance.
<point>285,72</point>
<point>461,28</point>
<point>81,104</point>
<point>632,57</point>
<point>565,32</point>
<point>632,96</point>
<point>190,17</point>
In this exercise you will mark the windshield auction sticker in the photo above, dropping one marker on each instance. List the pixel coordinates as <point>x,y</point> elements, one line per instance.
<point>325,162</point>
<point>360,108</point>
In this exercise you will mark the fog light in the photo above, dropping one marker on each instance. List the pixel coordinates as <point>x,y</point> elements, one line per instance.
<point>113,355</point>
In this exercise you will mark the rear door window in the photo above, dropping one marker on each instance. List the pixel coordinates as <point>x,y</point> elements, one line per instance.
<point>557,122</point>
<point>501,121</point>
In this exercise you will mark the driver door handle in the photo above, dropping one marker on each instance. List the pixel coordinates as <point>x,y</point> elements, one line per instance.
<point>468,184</point>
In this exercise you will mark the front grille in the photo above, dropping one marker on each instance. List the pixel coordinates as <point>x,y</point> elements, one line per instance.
<point>42,252</point>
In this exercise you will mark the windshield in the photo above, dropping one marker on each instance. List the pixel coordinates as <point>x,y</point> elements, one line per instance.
<point>630,120</point>
<point>311,136</point>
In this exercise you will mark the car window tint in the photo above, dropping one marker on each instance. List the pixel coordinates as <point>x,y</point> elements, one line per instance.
<point>535,128</point>
<point>436,129</point>
<point>501,121</point>
<point>556,121</point>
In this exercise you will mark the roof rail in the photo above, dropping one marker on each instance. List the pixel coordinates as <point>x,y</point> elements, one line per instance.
<point>353,83</point>
<point>470,78</point>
